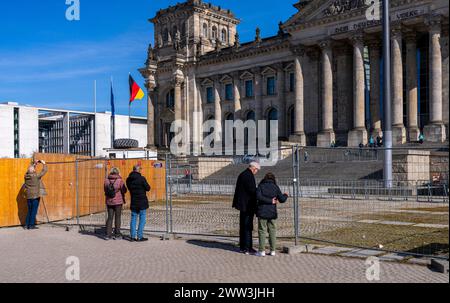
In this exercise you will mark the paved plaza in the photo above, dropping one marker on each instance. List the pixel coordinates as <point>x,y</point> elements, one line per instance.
<point>40,256</point>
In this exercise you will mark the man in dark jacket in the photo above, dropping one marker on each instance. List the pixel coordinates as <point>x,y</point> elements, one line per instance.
<point>245,201</point>
<point>138,187</point>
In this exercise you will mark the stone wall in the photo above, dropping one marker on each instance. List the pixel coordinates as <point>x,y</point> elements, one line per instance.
<point>411,165</point>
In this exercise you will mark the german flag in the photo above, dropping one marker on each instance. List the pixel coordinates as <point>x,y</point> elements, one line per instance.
<point>136,93</point>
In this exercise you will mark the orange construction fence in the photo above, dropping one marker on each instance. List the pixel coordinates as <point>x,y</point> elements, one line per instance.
<point>70,179</point>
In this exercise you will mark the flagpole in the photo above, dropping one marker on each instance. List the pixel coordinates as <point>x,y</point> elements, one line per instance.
<point>95,96</point>
<point>129,113</point>
<point>129,120</point>
<point>112,116</point>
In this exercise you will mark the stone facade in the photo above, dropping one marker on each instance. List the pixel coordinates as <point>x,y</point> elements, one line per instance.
<point>311,77</point>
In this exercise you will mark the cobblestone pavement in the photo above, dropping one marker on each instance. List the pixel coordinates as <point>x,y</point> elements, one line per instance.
<point>40,256</point>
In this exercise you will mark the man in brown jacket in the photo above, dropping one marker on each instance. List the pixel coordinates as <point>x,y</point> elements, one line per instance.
<point>33,187</point>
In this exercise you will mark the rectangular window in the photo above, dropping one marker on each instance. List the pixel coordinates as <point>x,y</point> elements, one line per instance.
<point>271,86</point>
<point>249,88</point>
<point>228,92</point>
<point>291,82</point>
<point>209,95</point>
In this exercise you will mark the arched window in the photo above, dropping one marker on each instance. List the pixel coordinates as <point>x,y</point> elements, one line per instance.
<point>224,36</point>
<point>205,30</point>
<point>214,33</point>
<point>170,99</point>
<point>165,35</point>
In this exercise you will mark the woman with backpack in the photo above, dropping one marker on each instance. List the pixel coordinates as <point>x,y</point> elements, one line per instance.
<point>268,195</point>
<point>115,191</point>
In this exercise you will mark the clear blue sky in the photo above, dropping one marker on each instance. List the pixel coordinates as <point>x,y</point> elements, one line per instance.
<point>47,61</point>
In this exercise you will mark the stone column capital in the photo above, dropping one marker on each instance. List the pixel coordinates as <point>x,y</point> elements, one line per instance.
<point>434,23</point>
<point>178,81</point>
<point>325,44</point>
<point>396,31</point>
<point>298,50</point>
<point>357,39</point>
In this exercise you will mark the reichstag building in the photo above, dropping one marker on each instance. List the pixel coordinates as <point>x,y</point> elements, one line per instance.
<point>320,76</point>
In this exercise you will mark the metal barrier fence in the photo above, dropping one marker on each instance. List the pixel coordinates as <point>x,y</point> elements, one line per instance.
<point>195,196</point>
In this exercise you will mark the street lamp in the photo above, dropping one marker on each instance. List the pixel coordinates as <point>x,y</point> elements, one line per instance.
<point>387,132</point>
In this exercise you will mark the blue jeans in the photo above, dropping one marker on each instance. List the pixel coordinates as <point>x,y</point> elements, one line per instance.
<point>33,206</point>
<point>142,218</point>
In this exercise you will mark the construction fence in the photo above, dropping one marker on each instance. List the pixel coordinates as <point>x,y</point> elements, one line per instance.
<point>336,196</point>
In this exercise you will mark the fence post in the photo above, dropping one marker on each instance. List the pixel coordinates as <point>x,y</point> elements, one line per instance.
<point>295,183</point>
<point>76,193</point>
<point>167,192</point>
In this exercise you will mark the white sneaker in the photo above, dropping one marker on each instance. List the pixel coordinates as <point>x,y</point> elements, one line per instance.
<point>261,254</point>
<point>272,253</point>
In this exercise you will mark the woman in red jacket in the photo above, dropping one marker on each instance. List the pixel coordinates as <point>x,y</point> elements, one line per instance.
<point>115,190</point>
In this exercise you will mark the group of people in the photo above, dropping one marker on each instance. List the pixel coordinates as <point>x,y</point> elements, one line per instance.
<point>249,199</point>
<point>115,189</point>
<point>261,201</point>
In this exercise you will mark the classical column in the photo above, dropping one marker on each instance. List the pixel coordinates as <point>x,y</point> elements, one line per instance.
<point>299,126</point>
<point>281,102</point>
<point>258,94</point>
<point>217,112</point>
<point>398,128</point>
<point>237,96</point>
<point>326,135</point>
<point>375,86</point>
<point>150,115</point>
<point>359,133</point>
<point>178,81</point>
<point>435,130</point>
<point>411,86</point>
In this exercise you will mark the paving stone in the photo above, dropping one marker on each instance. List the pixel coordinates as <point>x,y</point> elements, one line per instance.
<point>362,253</point>
<point>190,260</point>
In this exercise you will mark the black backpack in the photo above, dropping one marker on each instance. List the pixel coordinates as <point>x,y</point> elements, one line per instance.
<point>110,191</point>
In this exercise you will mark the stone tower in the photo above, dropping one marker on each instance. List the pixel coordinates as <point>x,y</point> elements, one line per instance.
<point>193,28</point>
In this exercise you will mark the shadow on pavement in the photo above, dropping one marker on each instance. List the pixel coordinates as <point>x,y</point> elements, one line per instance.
<point>214,244</point>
